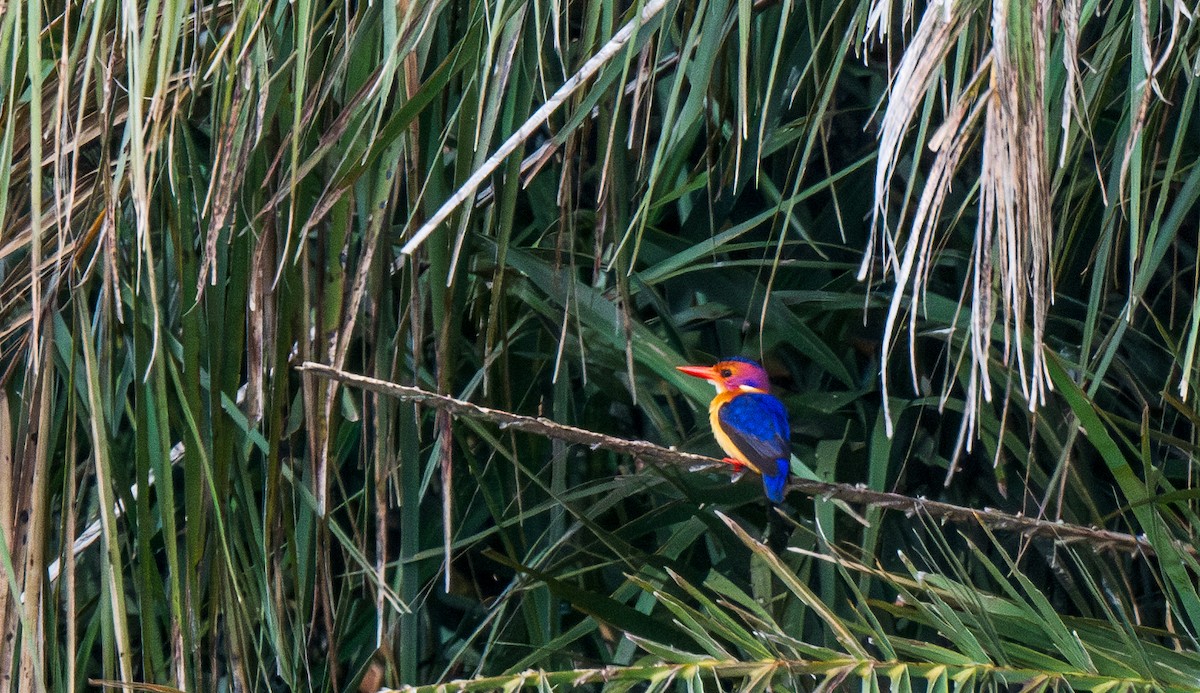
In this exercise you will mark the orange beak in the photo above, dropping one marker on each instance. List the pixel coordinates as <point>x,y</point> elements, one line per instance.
<point>706,372</point>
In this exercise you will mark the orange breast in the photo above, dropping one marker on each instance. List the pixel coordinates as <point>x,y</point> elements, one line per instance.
<point>723,440</point>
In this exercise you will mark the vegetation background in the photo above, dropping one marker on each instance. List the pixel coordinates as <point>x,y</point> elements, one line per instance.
<point>962,235</point>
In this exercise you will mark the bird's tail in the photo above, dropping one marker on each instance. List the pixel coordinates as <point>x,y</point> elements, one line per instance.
<point>777,527</point>
<point>776,483</point>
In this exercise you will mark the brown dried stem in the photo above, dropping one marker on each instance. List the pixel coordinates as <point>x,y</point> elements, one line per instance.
<point>1100,540</point>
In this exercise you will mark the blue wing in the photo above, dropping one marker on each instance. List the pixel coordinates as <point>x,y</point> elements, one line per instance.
<point>757,423</point>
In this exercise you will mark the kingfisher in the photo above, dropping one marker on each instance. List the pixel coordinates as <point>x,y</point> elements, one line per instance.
<point>749,423</point>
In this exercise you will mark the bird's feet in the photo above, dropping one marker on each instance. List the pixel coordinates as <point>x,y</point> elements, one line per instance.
<point>738,465</point>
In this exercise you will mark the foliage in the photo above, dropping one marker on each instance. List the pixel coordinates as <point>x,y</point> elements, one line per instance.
<point>198,198</point>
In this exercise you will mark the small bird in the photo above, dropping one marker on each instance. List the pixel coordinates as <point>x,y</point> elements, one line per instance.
<point>750,424</point>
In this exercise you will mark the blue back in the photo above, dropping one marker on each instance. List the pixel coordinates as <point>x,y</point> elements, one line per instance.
<point>757,423</point>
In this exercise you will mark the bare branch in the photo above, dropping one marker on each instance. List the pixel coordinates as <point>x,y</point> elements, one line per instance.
<point>1099,540</point>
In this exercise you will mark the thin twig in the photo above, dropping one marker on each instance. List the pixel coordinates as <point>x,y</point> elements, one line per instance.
<point>535,121</point>
<point>1100,540</point>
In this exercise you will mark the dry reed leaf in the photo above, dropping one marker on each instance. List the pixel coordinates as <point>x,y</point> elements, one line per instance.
<point>1010,262</point>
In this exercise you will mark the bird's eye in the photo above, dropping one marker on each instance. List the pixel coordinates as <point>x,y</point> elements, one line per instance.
<point>725,372</point>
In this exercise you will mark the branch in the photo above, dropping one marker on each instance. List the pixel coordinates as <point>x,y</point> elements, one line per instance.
<point>1099,540</point>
